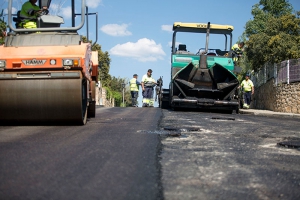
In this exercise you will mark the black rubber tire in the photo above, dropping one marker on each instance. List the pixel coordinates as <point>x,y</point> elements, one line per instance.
<point>237,110</point>
<point>92,110</point>
<point>84,90</point>
<point>92,104</point>
<point>164,105</point>
<point>93,90</point>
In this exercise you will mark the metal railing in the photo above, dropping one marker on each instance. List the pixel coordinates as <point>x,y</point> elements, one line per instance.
<point>287,71</point>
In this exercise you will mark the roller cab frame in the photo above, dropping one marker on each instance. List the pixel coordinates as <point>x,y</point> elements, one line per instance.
<point>48,74</point>
<point>203,80</point>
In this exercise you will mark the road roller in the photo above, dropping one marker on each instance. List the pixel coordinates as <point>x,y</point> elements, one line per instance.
<point>204,79</point>
<point>48,74</point>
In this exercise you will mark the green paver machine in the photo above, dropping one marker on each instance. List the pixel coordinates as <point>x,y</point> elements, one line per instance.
<point>205,79</point>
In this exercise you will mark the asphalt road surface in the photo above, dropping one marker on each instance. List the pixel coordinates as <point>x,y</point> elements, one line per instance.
<point>217,156</point>
<point>105,159</point>
<point>148,153</point>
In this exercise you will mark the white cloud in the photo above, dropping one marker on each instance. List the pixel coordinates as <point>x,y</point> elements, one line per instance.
<point>93,3</point>
<point>176,44</point>
<point>66,12</point>
<point>143,50</point>
<point>167,28</point>
<point>116,29</point>
<point>54,8</point>
<point>13,10</point>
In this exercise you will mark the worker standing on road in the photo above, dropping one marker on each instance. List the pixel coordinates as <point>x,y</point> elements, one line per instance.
<point>134,90</point>
<point>248,90</point>
<point>238,50</point>
<point>148,84</point>
<point>29,13</point>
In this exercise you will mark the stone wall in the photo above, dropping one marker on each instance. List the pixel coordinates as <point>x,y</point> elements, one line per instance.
<point>280,98</point>
<point>101,97</point>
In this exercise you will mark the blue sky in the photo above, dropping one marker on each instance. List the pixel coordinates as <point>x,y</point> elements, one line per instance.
<point>137,33</point>
<point>142,30</point>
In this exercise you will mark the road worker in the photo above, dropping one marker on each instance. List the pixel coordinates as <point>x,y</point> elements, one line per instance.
<point>134,90</point>
<point>29,13</point>
<point>238,50</point>
<point>148,84</point>
<point>248,90</point>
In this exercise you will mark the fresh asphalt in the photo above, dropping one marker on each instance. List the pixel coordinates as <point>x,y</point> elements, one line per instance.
<point>111,157</point>
<point>149,153</point>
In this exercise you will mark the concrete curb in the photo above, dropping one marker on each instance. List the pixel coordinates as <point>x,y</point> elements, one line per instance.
<point>269,113</point>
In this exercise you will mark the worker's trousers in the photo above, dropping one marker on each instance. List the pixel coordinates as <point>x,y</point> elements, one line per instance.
<point>247,97</point>
<point>134,96</point>
<point>148,96</point>
<point>29,24</point>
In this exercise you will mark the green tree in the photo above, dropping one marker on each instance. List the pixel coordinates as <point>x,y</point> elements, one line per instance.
<point>3,26</point>
<point>276,8</point>
<point>112,85</point>
<point>116,86</point>
<point>104,63</point>
<point>274,33</point>
<point>118,98</point>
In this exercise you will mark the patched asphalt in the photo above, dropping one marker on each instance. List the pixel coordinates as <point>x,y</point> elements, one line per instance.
<point>235,156</point>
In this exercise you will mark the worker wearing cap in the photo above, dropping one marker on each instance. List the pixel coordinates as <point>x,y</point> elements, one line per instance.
<point>238,50</point>
<point>148,84</point>
<point>134,89</point>
<point>248,89</point>
<point>29,13</point>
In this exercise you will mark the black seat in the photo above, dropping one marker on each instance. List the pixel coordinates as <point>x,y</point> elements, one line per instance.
<point>182,47</point>
<point>211,54</point>
<point>18,20</point>
<point>221,53</point>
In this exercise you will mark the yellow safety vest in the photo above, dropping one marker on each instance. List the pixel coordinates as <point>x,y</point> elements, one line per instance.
<point>147,79</point>
<point>28,16</point>
<point>236,49</point>
<point>247,85</point>
<point>133,85</point>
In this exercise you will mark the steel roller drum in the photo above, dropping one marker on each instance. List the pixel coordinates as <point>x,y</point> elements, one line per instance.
<point>42,97</point>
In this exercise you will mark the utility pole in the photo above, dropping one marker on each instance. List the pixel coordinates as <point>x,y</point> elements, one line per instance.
<point>123,88</point>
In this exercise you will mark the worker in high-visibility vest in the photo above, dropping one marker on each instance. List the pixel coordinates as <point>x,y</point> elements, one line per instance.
<point>134,90</point>
<point>148,84</point>
<point>238,50</point>
<point>29,13</point>
<point>248,90</point>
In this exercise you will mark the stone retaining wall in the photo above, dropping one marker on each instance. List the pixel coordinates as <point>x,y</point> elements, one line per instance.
<point>101,97</point>
<point>280,98</point>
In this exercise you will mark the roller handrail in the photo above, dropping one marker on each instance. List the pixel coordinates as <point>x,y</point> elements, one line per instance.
<point>45,29</point>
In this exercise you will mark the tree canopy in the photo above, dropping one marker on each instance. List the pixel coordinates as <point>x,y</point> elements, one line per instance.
<point>104,63</point>
<point>273,34</point>
<point>2,28</point>
<point>111,83</point>
<point>116,86</point>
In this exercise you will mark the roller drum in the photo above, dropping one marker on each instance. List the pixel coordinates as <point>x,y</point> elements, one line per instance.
<point>30,97</point>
